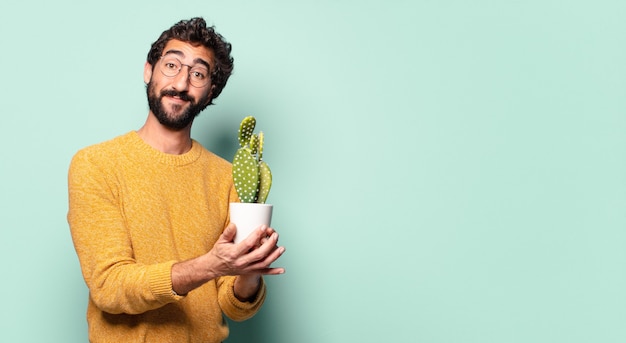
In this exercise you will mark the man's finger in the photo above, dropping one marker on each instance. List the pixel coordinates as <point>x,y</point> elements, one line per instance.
<point>229,232</point>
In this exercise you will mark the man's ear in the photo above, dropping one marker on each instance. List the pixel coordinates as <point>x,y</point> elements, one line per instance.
<point>147,73</point>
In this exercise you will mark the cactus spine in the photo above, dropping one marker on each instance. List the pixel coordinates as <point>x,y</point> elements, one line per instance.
<point>252,176</point>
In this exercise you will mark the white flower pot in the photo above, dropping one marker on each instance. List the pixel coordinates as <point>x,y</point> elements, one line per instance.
<point>248,217</point>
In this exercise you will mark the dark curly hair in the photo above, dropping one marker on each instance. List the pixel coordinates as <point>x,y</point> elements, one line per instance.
<point>195,32</point>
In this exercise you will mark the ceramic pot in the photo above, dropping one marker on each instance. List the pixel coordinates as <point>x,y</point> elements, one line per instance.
<point>248,217</point>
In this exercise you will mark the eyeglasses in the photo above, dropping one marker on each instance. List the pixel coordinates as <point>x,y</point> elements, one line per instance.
<point>198,74</point>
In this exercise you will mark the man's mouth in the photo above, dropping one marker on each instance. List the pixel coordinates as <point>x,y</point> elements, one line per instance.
<point>174,98</point>
<point>177,95</point>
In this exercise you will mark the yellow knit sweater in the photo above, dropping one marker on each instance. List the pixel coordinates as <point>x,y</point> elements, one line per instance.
<point>133,212</point>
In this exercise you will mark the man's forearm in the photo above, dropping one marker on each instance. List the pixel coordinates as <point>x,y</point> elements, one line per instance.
<point>189,275</point>
<point>246,287</point>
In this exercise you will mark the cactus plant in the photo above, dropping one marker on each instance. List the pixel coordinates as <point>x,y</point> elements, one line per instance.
<point>252,176</point>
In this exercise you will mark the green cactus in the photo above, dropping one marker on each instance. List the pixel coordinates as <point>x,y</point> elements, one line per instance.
<point>252,176</point>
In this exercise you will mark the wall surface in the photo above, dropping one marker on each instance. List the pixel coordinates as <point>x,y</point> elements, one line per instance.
<point>445,171</point>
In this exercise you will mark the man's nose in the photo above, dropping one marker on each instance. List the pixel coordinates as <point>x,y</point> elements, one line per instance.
<point>181,80</point>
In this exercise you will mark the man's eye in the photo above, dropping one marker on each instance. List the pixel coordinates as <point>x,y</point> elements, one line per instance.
<point>171,65</point>
<point>198,75</point>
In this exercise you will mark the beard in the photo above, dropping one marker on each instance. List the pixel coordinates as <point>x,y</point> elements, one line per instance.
<point>171,120</point>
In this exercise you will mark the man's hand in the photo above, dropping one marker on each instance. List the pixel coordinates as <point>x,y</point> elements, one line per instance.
<point>253,255</point>
<point>262,250</point>
<point>249,259</point>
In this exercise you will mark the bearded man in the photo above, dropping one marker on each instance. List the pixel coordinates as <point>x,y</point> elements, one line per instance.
<point>148,211</point>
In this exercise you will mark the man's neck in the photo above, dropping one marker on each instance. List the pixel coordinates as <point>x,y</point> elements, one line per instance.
<point>164,139</point>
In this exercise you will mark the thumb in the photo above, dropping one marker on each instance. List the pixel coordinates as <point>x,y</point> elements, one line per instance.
<point>229,232</point>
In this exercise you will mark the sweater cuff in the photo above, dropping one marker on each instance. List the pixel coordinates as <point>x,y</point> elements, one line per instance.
<point>160,280</point>
<point>241,310</point>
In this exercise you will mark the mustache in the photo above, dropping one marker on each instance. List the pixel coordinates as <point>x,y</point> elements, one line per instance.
<point>182,95</point>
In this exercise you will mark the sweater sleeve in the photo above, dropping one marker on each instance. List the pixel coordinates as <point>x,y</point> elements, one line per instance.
<point>116,282</point>
<point>234,308</point>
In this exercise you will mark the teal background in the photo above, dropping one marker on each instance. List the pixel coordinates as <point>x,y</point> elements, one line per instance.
<point>444,171</point>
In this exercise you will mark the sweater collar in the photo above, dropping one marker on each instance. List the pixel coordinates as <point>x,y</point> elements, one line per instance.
<point>173,160</point>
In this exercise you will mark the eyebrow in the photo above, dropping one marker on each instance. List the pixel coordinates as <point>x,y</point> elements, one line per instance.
<point>181,54</point>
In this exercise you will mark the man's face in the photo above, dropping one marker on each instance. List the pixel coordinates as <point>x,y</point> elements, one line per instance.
<point>174,100</point>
